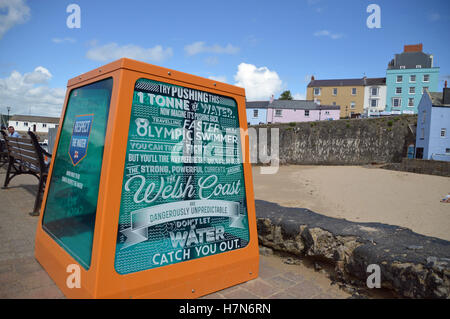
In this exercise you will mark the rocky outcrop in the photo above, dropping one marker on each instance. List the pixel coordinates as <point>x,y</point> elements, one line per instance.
<point>412,265</point>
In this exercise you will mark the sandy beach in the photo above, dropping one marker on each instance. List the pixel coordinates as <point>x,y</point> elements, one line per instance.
<point>362,194</point>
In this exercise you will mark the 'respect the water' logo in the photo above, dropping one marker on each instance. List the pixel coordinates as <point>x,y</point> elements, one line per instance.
<point>80,137</point>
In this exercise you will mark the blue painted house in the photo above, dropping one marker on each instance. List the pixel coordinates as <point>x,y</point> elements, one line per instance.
<point>409,74</point>
<point>257,112</point>
<point>433,126</point>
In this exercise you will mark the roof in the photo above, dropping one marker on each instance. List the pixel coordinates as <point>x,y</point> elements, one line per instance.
<point>337,82</point>
<point>348,82</point>
<point>291,104</point>
<point>257,104</point>
<point>410,60</point>
<point>37,119</point>
<point>375,81</point>
<point>436,99</point>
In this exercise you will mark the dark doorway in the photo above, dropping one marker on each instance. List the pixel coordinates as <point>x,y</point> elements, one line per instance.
<point>419,152</point>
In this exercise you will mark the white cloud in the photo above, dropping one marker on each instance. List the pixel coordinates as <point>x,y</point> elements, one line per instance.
<point>30,92</point>
<point>299,96</point>
<point>220,78</point>
<point>201,47</point>
<point>327,33</point>
<point>16,12</point>
<point>62,40</point>
<point>259,83</point>
<point>434,16</point>
<point>112,51</point>
<point>40,75</point>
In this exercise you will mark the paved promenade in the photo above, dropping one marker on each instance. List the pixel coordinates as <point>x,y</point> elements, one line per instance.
<point>21,276</point>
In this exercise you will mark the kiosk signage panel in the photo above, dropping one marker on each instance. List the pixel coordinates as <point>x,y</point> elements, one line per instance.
<point>148,193</point>
<point>183,193</point>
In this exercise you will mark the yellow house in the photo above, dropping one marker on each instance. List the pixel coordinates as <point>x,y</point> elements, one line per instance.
<point>347,93</point>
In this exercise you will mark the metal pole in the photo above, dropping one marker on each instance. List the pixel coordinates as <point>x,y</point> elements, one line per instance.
<point>8,108</point>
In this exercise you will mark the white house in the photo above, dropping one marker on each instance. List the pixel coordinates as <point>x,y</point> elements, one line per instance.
<point>40,124</point>
<point>374,96</point>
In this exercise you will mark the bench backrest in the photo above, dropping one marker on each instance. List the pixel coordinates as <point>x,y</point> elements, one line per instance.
<point>26,150</point>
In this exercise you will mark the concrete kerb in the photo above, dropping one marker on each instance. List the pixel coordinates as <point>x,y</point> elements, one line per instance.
<point>412,265</point>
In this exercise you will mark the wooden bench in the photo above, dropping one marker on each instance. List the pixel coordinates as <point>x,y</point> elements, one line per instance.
<point>26,156</point>
<point>3,152</point>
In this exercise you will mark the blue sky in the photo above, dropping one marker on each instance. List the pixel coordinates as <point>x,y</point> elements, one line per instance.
<point>264,46</point>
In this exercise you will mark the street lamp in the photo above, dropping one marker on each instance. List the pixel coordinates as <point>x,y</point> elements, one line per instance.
<point>8,108</point>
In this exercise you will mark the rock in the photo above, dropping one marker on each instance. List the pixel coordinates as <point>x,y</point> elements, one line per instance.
<point>407,269</point>
<point>415,247</point>
<point>289,261</point>
<point>317,266</point>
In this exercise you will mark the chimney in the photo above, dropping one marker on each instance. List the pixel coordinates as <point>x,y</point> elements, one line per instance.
<point>446,95</point>
<point>312,77</point>
<point>413,48</point>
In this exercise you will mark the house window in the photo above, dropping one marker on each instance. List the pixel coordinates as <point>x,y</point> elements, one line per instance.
<point>352,105</point>
<point>44,125</point>
<point>424,117</point>
<point>317,91</point>
<point>399,78</point>
<point>318,102</point>
<point>412,90</point>
<point>25,124</point>
<point>411,102</point>
<point>396,102</point>
<point>374,91</point>
<point>412,78</point>
<point>424,89</point>
<point>447,150</point>
<point>443,132</point>
<point>327,112</point>
<point>335,91</point>
<point>398,90</point>
<point>418,66</point>
<point>255,113</point>
<point>353,91</point>
<point>278,112</point>
<point>373,102</point>
<point>17,123</point>
<point>306,112</point>
<point>334,103</point>
<point>426,78</point>
<point>422,133</point>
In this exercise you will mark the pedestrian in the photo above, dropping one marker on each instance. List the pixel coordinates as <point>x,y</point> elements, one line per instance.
<point>12,132</point>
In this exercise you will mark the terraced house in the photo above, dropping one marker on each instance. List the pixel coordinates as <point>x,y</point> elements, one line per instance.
<point>408,75</point>
<point>348,93</point>
<point>286,111</point>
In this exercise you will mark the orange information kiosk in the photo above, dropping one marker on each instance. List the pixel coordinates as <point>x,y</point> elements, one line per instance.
<point>150,191</point>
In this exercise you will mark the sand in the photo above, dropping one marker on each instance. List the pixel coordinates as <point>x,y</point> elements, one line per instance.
<point>362,194</point>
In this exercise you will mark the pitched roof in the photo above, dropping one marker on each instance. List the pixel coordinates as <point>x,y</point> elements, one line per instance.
<point>336,82</point>
<point>257,104</point>
<point>348,82</point>
<point>37,119</point>
<point>375,81</point>
<point>291,104</point>
<point>410,60</point>
<point>436,99</point>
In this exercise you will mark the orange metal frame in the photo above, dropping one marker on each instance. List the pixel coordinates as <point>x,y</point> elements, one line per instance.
<point>189,279</point>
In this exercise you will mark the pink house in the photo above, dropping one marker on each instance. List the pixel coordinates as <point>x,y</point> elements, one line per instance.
<point>286,111</point>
